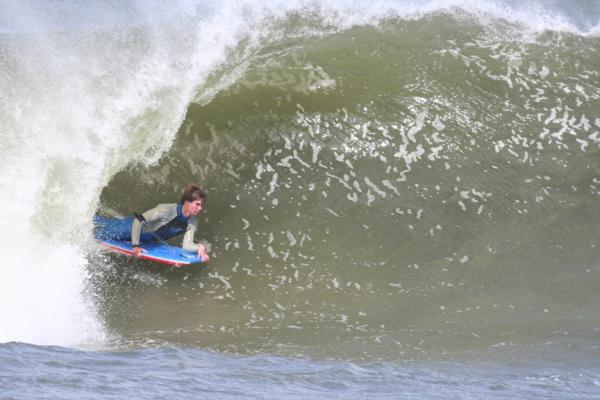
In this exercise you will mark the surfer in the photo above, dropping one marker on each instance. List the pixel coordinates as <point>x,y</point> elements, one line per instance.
<point>159,224</point>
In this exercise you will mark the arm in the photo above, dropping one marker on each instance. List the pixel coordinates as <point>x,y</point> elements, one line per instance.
<point>188,240</point>
<point>136,229</point>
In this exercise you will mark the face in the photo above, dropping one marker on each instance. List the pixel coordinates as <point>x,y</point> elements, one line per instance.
<point>193,207</point>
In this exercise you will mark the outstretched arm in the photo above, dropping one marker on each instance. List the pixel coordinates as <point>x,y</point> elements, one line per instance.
<point>188,241</point>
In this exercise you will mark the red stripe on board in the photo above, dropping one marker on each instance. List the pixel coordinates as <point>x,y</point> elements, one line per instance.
<point>144,257</point>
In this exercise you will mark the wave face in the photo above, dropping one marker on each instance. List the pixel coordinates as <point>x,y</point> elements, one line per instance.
<point>385,181</point>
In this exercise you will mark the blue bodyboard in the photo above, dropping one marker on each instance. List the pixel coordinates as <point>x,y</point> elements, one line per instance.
<point>158,252</point>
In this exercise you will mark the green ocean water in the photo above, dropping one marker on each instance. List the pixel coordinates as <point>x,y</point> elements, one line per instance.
<point>422,189</point>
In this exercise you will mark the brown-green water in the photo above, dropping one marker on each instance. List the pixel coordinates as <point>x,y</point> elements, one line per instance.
<point>421,190</point>
<point>402,199</point>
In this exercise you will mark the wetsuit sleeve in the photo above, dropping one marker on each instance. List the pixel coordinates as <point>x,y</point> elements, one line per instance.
<point>139,221</point>
<point>136,229</point>
<point>188,237</point>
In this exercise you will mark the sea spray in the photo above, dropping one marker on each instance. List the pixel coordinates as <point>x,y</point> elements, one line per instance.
<point>83,103</point>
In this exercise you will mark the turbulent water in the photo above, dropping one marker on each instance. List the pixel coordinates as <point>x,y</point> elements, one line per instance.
<point>400,196</point>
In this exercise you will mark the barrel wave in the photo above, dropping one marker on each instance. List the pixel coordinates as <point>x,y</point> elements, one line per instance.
<point>419,189</point>
<point>385,182</point>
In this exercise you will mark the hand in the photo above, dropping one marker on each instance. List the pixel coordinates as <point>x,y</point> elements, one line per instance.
<point>202,253</point>
<point>137,251</point>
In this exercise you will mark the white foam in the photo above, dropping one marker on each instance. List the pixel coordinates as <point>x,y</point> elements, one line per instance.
<point>42,297</point>
<point>80,106</point>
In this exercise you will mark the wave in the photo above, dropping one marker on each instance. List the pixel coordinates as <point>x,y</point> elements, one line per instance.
<point>91,90</point>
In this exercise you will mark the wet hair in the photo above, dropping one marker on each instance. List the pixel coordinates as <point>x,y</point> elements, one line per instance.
<point>193,192</point>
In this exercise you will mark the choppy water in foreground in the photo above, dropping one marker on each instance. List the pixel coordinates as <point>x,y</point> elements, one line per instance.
<point>402,200</point>
<point>52,372</point>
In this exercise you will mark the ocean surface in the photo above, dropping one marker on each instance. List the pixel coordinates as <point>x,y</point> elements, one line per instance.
<point>403,199</point>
